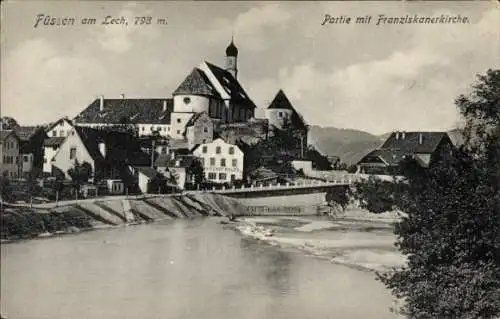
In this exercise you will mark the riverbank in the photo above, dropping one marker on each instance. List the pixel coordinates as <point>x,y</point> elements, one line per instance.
<point>356,238</point>
<point>27,223</point>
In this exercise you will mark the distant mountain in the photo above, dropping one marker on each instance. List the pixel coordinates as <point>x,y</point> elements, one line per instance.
<point>348,144</point>
<point>351,145</point>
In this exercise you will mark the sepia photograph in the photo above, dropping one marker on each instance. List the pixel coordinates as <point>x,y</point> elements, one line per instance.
<point>250,159</point>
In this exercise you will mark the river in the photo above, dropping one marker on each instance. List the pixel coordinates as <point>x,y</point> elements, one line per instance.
<point>179,269</point>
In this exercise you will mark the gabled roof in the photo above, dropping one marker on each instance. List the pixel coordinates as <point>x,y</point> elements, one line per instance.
<point>147,171</point>
<point>121,111</point>
<point>120,147</point>
<point>52,125</point>
<point>25,133</point>
<point>162,160</point>
<point>410,142</point>
<point>197,83</point>
<point>281,101</point>
<point>54,141</point>
<point>4,134</point>
<point>231,86</point>
<point>261,174</point>
<point>387,156</point>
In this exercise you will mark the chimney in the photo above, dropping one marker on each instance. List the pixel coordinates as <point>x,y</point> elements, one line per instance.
<point>102,149</point>
<point>403,135</point>
<point>164,105</point>
<point>122,96</point>
<point>420,138</point>
<point>101,103</point>
<point>397,135</point>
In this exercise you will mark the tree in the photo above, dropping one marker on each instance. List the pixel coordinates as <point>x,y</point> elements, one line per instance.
<point>80,174</point>
<point>196,170</point>
<point>8,123</point>
<point>5,190</point>
<point>451,234</point>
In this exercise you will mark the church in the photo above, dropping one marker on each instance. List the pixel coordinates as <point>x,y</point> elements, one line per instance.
<point>207,101</point>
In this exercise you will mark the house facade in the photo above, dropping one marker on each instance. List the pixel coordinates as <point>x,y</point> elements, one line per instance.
<point>50,147</point>
<point>222,162</point>
<point>424,147</point>
<point>31,139</point>
<point>199,130</point>
<point>10,154</point>
<point>110,154</point>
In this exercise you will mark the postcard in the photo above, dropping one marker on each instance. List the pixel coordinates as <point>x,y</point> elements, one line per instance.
<point>246,159</point>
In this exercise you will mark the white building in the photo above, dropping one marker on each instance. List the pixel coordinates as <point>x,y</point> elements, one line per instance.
<point>61,128</point>
<point>56,133</point>
<point>9,154</point>
<point>222,162</point>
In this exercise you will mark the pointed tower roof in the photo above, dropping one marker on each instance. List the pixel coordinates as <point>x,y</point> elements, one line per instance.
<point>281,102</point>
<point>232,50</point>
<point>196,83</point>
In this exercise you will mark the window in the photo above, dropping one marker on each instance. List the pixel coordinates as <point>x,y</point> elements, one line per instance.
<point>45,160</point>
<point>168,128</point>
<point>212,161</point>
<point>223,162</point>
<point>280,114</point>
<point>222,176</point>
<point>212,176</point>
<point>217,150</point>
<point>152,128</point>
<point>54,133</point>
<point>205,130</point>
<point>143,128</point>
<point>178,131</point>
<point>231,150</point>
<point>61,133</point>
<point>204,149</point>
<point>233,177</point>
<point>178,120</point>
<point>72,153</point>
<point>164,150</point>
<point>187,100</point>
<point>25,158</point>
<point>235,162</point>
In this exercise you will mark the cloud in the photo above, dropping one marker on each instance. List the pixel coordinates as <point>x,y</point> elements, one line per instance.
<point>412,87</point>
<point>253,25</point>
<point>121,38</point>
<point>40,82</point>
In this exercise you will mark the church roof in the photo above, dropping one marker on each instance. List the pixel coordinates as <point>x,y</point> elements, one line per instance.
<point>231,85</point>
<point>281,101</point>
<point>196,83</point>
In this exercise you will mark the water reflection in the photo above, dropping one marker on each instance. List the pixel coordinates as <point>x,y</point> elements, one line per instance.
<point>178,269</point>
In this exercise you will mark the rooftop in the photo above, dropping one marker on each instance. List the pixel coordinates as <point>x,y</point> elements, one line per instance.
<point>124,111</point>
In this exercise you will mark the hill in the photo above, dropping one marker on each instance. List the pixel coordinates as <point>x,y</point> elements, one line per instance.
<point>348,144</point>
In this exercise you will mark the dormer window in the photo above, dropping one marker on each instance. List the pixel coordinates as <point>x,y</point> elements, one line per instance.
<point>187,100</point>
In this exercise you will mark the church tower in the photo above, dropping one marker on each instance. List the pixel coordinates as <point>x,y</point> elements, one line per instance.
<point>232,59</point>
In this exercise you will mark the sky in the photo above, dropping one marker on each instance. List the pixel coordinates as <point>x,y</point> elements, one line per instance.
<point>360,76</point>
